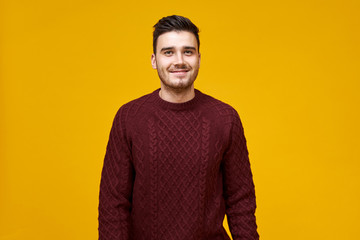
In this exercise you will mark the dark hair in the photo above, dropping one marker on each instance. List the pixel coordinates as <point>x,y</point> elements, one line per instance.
<point>174,23</point>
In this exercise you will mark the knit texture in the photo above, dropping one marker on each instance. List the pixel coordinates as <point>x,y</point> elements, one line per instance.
<point>172,170</point>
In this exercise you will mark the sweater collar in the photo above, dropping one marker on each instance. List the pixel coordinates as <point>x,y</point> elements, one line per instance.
<point>176,106</point>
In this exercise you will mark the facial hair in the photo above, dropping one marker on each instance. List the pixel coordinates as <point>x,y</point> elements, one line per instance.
<point>182,85</point>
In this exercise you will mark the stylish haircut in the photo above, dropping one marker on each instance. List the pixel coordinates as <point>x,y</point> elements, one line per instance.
<point>174,23</point>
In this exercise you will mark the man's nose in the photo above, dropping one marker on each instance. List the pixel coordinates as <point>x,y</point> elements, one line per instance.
<point>179,58</point>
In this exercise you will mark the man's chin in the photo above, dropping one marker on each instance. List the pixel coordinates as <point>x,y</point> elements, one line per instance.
<point>179,86</point>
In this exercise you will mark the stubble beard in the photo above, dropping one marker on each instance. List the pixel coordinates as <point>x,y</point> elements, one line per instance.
<point>181,85</point>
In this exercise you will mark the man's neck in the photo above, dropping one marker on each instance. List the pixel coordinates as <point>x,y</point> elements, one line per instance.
<point>177,96</point>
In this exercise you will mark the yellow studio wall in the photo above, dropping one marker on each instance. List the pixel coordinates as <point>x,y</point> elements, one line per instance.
<point>290,68</point>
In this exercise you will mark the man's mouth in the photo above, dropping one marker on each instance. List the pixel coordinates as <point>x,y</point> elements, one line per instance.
<point>179,71</point>
<point>182,71</point>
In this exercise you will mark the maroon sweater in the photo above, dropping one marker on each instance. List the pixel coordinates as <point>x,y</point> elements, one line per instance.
<point>172,171</point>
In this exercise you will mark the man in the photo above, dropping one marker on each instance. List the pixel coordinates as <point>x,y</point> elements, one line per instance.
<point>176,159</point>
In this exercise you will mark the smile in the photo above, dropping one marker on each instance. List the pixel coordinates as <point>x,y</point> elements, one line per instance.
<point>179,72</point>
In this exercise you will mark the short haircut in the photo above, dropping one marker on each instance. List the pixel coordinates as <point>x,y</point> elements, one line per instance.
<point>174,23</point>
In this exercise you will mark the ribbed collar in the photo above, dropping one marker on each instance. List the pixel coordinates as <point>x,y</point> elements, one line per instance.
<point>176,106</point>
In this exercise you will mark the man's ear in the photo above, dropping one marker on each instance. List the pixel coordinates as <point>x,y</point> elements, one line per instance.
<point>199,59</point>
<point>153,61</point>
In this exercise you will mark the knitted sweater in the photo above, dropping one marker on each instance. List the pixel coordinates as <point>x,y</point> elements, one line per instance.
<point>172,170</point>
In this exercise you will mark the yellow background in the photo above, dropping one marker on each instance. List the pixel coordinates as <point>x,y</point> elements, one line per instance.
<point>290,68</point>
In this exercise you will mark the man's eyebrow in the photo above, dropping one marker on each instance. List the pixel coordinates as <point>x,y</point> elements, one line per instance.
<point>189,47</point>
<point>171,48</point>
<point>166,48</point>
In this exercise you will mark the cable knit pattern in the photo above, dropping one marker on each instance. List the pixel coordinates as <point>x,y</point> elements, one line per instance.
<point>172,170</point>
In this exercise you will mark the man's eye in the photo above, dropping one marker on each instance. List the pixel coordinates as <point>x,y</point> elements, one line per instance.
<point>168,52</point>
<point>188,52</point>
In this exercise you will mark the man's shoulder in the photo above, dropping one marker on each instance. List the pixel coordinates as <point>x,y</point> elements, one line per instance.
<point>139,102</point>
<point>221,113</point>
<point>218,107</point>
<point>136,105</point>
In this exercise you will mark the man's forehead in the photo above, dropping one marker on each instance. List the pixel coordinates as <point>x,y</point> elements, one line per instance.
<point>176,39</point>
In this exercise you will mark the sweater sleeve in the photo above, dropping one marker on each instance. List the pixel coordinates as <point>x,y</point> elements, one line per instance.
<point>116,185</point>
<point>239,191</point>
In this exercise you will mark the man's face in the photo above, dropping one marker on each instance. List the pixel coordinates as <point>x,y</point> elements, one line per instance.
<point>177,59</point>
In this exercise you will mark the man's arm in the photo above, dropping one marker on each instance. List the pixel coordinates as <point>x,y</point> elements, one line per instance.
<point>239,189</point>
<point>116,185</point>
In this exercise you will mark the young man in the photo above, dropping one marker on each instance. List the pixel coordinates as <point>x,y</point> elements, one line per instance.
<point>176,159</point>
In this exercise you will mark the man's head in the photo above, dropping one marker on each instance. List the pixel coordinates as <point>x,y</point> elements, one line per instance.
<point>176,53</point>
<point>174,23</point>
